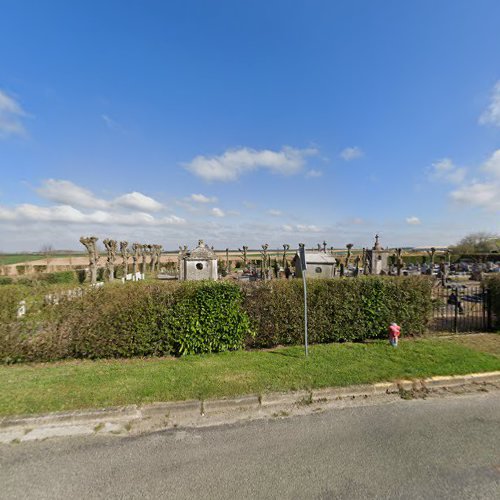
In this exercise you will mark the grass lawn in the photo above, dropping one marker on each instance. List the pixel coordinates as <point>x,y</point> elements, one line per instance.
<point>38,388</point>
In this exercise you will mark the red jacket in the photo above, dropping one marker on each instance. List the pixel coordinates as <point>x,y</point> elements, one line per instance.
<point>394,331</point>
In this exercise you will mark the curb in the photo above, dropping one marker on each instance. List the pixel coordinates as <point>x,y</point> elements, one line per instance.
<point>135,419</point>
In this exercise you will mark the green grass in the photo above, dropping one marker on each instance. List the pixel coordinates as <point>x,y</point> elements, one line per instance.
<point>6,259</point>
<point>39,388</point>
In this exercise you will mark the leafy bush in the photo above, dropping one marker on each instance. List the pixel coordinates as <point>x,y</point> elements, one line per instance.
<point>338,309</point>
<point>144,319</point>
<point>59,277</point>
<point>20,270</point>
<point>5,280</point>
<point>208,318</point>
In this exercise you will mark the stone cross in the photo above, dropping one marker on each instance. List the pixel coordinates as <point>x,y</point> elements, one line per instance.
<point>90,245</point>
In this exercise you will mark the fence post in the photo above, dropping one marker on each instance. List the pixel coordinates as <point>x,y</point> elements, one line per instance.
<point>489,312</point>
<point>455,317</point>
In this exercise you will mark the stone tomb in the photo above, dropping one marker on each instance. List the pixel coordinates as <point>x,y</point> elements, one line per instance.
<point>378,259</point>
<point>319,265</point>
<point>198,264</point>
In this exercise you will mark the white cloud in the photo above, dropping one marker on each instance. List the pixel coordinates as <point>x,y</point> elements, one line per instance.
<point>69,214</point>
<point>481,194</point>
<point>485,192</point>
<point>446,171</point>
<point>491,116</point>
<point>138,201</point>
<point>217,212</point>
<point>314,173</point>
<point>11,115</point>
<point>66,192</point>
<point>201,198</point>
<point>349,154</point>
<point>235,162</point>
<point>413,221</point>
<point>275,213</point>
<point>300,228</point>
<point>492,164</point>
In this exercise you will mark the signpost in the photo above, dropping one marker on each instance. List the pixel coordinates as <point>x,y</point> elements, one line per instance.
<point>303,268</point>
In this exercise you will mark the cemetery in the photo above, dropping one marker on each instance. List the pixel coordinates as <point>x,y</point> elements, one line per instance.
<point>136,300</point>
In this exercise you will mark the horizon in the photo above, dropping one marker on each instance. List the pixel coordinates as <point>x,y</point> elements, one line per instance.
<point>244,124</point>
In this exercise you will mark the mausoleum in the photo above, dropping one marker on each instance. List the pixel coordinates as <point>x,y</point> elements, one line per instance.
<point>378,258</point>
<point>198,264</point>
<point>319,265</point>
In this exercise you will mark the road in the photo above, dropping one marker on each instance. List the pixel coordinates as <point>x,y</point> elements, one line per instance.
<point>434,448</point>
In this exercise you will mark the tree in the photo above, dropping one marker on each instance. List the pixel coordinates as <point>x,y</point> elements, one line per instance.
<point>480,242</point>
<point>48,252</point>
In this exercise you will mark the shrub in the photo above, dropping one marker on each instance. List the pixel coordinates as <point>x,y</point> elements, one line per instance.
<point>338,309</point>
<point>208,318</point>
<point>5,280</point>
<point>144,319</point>
<point>59,277</point>
<point>20,270</point>
<point>40,269</point>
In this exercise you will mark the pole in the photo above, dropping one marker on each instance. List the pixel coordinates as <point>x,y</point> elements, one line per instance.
<point>305,311</point>
<point>303,266</point>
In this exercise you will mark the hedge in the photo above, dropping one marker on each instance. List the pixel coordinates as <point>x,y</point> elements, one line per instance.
<point>338,309</point>
<point>143,319</point>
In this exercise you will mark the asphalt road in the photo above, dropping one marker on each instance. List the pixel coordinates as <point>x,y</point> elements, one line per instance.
<point>435,448</point>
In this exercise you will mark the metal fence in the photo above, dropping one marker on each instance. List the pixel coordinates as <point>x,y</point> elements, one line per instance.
<point>461,308</point>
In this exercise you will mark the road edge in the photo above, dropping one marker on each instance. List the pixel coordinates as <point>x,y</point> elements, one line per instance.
<point>136,419</point>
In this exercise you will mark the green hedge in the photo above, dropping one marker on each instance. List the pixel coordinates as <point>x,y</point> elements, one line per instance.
<point>338,309</point>
<point>143,319</point>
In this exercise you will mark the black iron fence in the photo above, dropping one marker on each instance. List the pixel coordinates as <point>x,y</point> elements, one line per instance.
<point>461,308</point>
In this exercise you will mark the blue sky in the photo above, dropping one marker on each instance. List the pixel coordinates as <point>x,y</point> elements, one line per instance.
<point>248,122</point>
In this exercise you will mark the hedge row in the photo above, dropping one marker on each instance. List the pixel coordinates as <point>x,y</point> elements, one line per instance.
<point>141,319</point>
<point>338,309</point>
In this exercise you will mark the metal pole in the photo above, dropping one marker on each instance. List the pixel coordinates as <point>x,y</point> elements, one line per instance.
<point>303,267</point>
<point>305,311</point>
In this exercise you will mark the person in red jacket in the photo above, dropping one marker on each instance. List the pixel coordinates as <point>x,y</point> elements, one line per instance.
<point>394,333</point>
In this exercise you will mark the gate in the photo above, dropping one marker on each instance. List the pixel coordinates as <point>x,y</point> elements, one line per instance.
<point>461,307</point>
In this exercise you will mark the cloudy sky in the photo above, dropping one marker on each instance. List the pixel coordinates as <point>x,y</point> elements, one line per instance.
<point>248,122</point>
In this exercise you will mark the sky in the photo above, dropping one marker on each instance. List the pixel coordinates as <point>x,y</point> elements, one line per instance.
<point>248,122</point>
